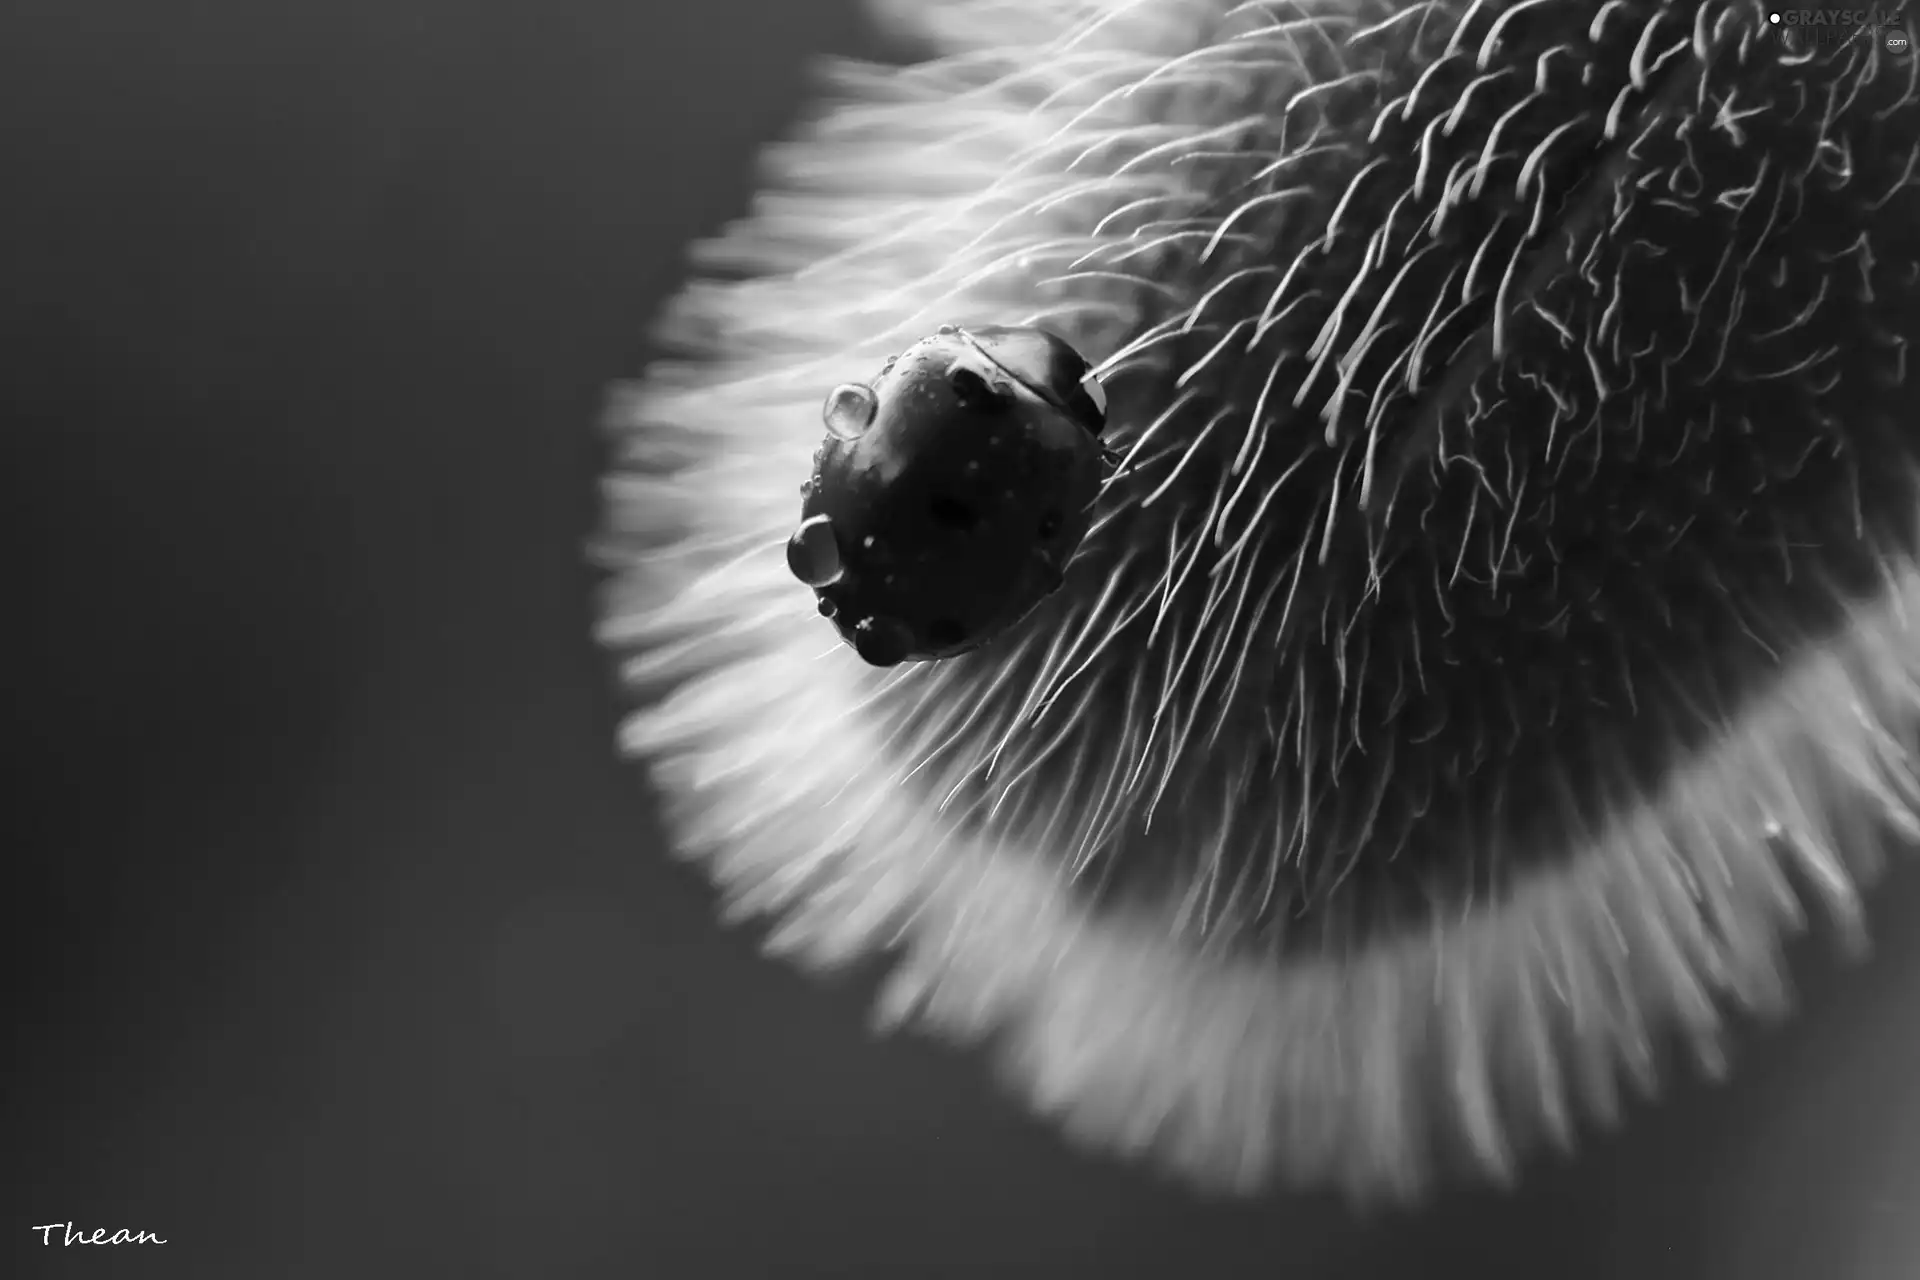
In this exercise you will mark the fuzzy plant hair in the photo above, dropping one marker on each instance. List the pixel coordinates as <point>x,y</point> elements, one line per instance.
<point>1497,640</point>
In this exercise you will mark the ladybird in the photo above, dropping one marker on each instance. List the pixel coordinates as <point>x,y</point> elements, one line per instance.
<point>950,493</point>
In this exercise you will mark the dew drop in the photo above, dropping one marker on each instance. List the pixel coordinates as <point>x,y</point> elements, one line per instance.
<point>849,410</point>
<point>812,553</point>
<point>827,607</point>
<point>882,642</point>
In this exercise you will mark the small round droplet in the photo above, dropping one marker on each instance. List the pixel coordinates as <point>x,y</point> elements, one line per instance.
<point>812,553</point>
<point>849,410</point>
<point>827,607</point>
<point>882,642</point>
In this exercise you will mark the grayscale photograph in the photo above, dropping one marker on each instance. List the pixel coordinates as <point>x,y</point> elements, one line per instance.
<point>962,638</point>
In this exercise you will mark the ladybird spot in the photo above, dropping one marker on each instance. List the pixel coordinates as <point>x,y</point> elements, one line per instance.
<point>950,513</point>
<point>849,410</point>
<point>971,388</point>
<point>813,554</point>
<point>944,633</point>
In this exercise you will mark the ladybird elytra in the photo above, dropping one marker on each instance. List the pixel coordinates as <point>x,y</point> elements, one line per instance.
<point>950,493</point>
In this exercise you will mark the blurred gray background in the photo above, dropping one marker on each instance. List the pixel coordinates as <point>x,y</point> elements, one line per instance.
<point>342,944</point>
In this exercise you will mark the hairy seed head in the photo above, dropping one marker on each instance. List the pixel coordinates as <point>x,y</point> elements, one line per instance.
<point>1497,631</point>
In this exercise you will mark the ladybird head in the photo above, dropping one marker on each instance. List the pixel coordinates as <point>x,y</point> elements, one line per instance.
<point>1047,367</point>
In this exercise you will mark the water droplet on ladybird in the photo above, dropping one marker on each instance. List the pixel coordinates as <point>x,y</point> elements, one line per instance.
<point>882,642</point>
<point>947,330</point>
<point>866,543</point>
<point>827,607</point>
<point>813,554</point>
<point>849,410</point>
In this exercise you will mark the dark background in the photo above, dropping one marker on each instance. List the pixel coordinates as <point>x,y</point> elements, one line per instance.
<point>342,943</point>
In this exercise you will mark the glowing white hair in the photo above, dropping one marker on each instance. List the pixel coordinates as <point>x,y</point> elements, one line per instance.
<point>1020,176</point>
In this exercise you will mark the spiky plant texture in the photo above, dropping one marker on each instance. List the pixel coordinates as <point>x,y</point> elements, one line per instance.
<point>1498,634</point>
